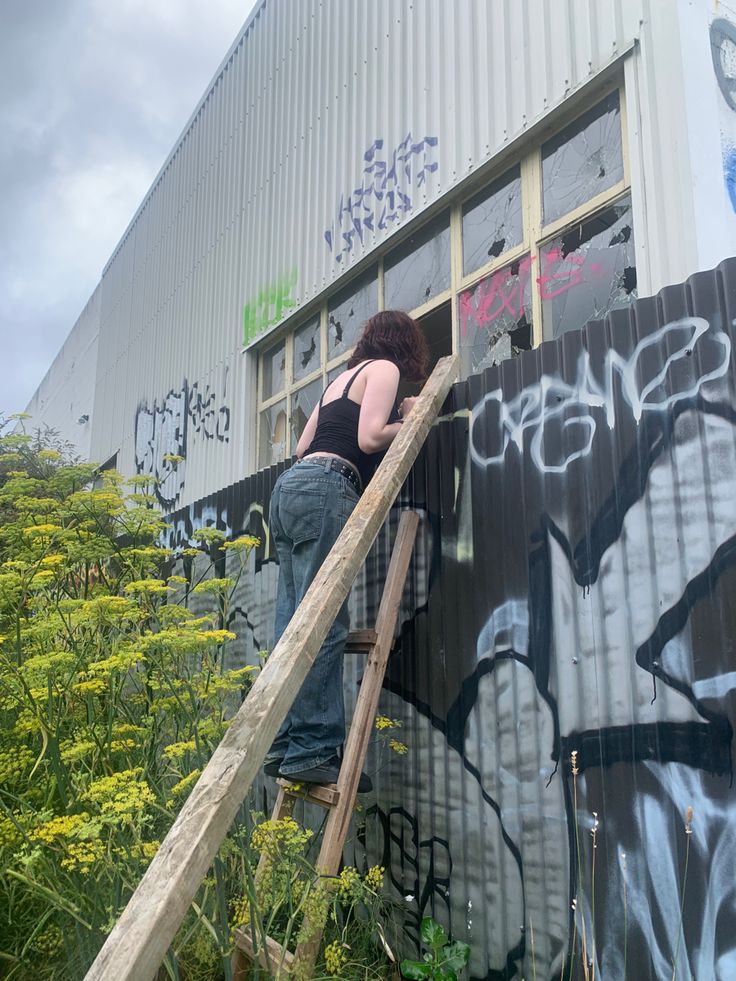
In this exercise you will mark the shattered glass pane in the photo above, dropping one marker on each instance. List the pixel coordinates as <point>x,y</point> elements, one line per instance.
<point>495,317</point>
<point>588,271</point>
<point>272,447</point>
<point>334,372</point>
<point>492,221</point>
<point>303,401</point>
<point>348,311</point>
<point>419,268</point>
<point>274,370</point>
<point>583,160</point>
<point>306,349</point>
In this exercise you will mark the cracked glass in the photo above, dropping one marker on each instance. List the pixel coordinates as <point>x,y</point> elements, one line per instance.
<point>588,271</point>
<point>492,221</point>
<point>274,370</point>
<point>272,448</point>
<point>306,349</point>
<point>303,401</point>
<point>495,317</point>
<point>419,268</point>
<point>348,311</point>
<point>334,372</point>
<point>582,160</point>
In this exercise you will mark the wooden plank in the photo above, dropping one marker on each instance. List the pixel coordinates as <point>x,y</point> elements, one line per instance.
<point>272,957</point>
<point>326,795</point>
<point>360,640</point>
<point>142,935</point>
<point>361,726</point>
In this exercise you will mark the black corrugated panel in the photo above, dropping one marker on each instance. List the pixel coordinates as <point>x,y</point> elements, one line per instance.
<point>572,593</point>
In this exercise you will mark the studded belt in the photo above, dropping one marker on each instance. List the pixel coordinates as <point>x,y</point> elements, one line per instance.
<point>339,466</point>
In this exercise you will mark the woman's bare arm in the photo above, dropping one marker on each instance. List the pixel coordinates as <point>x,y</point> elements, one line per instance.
<point>308,432</point>
<point>375,433</point>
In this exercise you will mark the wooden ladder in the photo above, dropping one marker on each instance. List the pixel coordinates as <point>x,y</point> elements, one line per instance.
<point>139,940</point>
<point>338,799</point>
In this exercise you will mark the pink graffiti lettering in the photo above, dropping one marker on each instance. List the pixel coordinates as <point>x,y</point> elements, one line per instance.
<point>503,292</point>
<point>566,277</point>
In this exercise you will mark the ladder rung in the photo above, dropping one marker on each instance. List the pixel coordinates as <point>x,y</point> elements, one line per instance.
<point>360,640</point>
<point>268,958</point>
<point>326,795</point>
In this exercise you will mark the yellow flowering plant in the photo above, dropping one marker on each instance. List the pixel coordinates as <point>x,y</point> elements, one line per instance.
<point>113,696</point>
<point>289,900</point>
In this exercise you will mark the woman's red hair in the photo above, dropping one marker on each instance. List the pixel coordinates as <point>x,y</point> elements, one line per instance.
<point>393,335</point>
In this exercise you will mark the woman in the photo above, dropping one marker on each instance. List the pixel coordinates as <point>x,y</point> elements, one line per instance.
<point>355,421</point>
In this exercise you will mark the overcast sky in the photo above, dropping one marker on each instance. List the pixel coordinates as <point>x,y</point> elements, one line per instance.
<point>93,95</point>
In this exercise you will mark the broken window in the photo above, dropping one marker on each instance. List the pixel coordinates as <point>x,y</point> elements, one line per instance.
<point>306,349</point>
<point>348,311</point>
<point>303,402</point>
<point>273,435</point>
<point>274,370</point>
<point>419,268</point>
<point>588,271</point>
<point>495,317</point>
<point>492,222</point>
<point>583,160</point>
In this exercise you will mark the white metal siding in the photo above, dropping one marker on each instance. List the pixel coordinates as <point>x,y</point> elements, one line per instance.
<point>245,198</point>
<point>66,395</point>
<point>247,194</point>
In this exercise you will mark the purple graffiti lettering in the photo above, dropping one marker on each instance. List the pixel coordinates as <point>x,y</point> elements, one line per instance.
<point>382,196</point>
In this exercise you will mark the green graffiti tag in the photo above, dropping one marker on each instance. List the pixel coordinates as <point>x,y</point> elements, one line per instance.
<point>268,307</point>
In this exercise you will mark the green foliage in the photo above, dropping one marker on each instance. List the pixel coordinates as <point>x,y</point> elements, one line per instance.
<point>112,699</point>
<point>113,696</point>
<point>289,901</point>
<point>442,960</point>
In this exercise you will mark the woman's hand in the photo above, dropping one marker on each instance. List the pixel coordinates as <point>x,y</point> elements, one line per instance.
<point>406,406</point>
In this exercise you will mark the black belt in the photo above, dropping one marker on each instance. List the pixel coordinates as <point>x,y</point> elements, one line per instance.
<point>332,463</point>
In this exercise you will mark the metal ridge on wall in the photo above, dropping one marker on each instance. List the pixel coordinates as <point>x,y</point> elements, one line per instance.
<point>563,675</point>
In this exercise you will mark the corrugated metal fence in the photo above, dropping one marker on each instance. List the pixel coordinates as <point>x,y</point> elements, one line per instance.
<point>564,675</point>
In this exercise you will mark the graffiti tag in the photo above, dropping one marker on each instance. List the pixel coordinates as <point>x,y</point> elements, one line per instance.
<point>383,195</point>
<point>167,429</point>
<point>723,51</point>
<point>571,403</point>
<point>269,307</point>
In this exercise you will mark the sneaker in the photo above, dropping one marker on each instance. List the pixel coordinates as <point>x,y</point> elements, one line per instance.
<point>327,772</point>
<point>271,767</point>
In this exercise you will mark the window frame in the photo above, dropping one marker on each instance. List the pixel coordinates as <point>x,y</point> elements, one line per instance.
<point>535,236</point>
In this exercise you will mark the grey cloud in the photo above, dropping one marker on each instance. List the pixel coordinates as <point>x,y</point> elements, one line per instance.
<point>94,97</point>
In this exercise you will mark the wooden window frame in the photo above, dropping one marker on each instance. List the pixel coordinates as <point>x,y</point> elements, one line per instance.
<point>535,235</point>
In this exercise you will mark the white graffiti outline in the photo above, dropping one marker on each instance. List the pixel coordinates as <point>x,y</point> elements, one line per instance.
<point>550,398</point>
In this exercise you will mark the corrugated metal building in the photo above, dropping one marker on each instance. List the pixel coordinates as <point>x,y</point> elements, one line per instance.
<point>509,170</point>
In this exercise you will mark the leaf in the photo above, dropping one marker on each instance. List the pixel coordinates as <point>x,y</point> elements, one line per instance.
<point>415,969</point>
<point>456,956</point>
<point>432,934</point>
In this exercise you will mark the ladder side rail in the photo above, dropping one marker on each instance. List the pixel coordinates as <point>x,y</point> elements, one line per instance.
<point>138,942</point>
<point>361,728</point>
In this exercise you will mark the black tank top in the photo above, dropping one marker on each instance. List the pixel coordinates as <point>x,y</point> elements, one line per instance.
<point>337,431</point>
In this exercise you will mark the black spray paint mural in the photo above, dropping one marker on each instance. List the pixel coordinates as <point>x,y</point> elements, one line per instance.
<point>165,432</point>
<point>564,674</point>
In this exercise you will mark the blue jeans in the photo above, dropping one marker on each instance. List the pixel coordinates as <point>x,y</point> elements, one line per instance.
<point>309,508</point>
